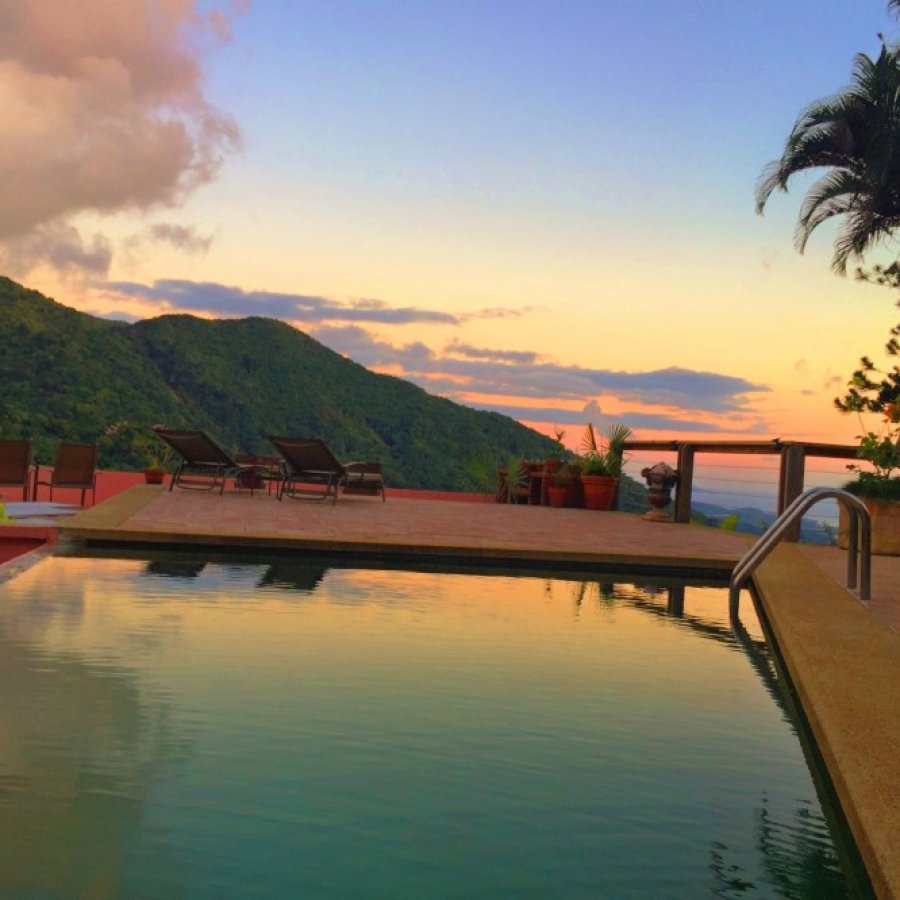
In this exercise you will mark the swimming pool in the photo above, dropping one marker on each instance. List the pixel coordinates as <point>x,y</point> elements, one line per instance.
<point>225,728</point>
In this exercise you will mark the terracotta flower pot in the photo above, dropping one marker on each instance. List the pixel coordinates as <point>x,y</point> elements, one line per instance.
<point>599,491</point>
<point>154,476</point>
<point>557,494</point>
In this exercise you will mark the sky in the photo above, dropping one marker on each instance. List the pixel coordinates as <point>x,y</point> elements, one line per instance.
<point>543,207</point>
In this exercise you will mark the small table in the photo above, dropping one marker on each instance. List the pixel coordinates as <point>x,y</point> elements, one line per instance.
<point>256,471</point>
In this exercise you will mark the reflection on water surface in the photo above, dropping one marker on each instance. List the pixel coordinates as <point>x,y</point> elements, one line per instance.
<point>170,727</point>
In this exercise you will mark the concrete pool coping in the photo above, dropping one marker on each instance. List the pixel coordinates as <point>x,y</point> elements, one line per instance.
<point>843,657</point>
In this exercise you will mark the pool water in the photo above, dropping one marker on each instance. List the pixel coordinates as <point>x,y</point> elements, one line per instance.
<point>180,728</point>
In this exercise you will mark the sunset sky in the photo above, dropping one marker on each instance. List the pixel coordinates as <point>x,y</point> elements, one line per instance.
<point>543,208</point>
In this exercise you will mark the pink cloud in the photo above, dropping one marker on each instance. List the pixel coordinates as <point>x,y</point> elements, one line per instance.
<point>103,108</point>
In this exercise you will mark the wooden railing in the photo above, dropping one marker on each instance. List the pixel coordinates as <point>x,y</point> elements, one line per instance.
<point>791,475</point>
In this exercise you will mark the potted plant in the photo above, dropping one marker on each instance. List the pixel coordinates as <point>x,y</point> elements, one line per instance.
<point>514,482</point>
<point>132,446</point>
<point>878,486</point>
<point>554,461</point>
<point>154,471</point>
<point>560,475</point>
<point>559,487</point>
<point>873,390</point>
<point>158,459</point>
<point>564,487</point>
<point>601,465</point>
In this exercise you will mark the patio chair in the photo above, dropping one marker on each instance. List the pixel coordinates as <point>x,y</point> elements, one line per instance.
<point>75,466</point>
<point>15,465</point>
<point>308,461</point>
<point>203,466</point>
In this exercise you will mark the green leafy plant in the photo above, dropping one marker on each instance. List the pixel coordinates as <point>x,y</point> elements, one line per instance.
<point>514,480</point>
<point>881,451</point>
<point>559,451</point>
<point>160,453</point>
<point>481,473</point>
<point>126,443</point>
<point>871,390</point>
<point>830,532</point>
<point>604,456</point>
<point>564,475</point>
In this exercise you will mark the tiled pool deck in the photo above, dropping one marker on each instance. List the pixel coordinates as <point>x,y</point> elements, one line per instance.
<point>843,657</point>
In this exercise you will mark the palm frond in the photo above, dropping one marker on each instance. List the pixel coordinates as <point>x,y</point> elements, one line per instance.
<point>855,134</point>
<point>616,435</point>
<point>589,444</point>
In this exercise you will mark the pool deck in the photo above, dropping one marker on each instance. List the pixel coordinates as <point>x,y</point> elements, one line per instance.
<point>843,657</point>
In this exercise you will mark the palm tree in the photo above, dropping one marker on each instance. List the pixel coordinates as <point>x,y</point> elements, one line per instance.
<point>856,136</point>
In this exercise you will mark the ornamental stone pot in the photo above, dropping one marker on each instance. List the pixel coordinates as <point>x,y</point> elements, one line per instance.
<point>885,516</point>
<point>660,478</point>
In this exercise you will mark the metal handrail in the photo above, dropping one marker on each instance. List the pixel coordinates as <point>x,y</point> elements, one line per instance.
<point>775,532</point>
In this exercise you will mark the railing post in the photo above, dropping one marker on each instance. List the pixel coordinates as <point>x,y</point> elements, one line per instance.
<point>615,499</point>
<point>675,606</point>
<point>685,484</point>
<point>790,484</point>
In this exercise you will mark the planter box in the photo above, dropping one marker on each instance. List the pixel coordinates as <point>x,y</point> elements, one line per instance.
<point>885,516</point>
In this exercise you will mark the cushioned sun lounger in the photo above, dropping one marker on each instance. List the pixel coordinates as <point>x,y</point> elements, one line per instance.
<point>310,468</point>
<point>203,465</point>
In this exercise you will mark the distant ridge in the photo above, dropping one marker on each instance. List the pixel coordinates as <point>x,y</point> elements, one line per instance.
<point>751,520</point>
<point>67,375</point>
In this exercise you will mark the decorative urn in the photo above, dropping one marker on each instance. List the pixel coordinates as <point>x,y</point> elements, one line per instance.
<point>660,479</point>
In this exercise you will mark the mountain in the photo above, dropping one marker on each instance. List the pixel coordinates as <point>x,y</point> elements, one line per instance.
<point>67,375</point>
<point>750,520</point>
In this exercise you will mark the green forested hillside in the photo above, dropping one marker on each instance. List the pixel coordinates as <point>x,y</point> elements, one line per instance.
<point>65,375</point>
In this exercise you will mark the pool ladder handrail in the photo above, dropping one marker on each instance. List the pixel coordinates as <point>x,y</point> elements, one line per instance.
<point>858,515</point>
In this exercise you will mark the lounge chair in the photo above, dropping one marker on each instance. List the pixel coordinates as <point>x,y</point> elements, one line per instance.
<point>75,466</point>
<point>15,465</point>
<point>203,466</point>
<point>308,461</point>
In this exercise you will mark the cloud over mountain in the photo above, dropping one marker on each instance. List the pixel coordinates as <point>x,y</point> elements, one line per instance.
<point>671,398</point>
<point>220,299</point>
<point>527,374</point>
